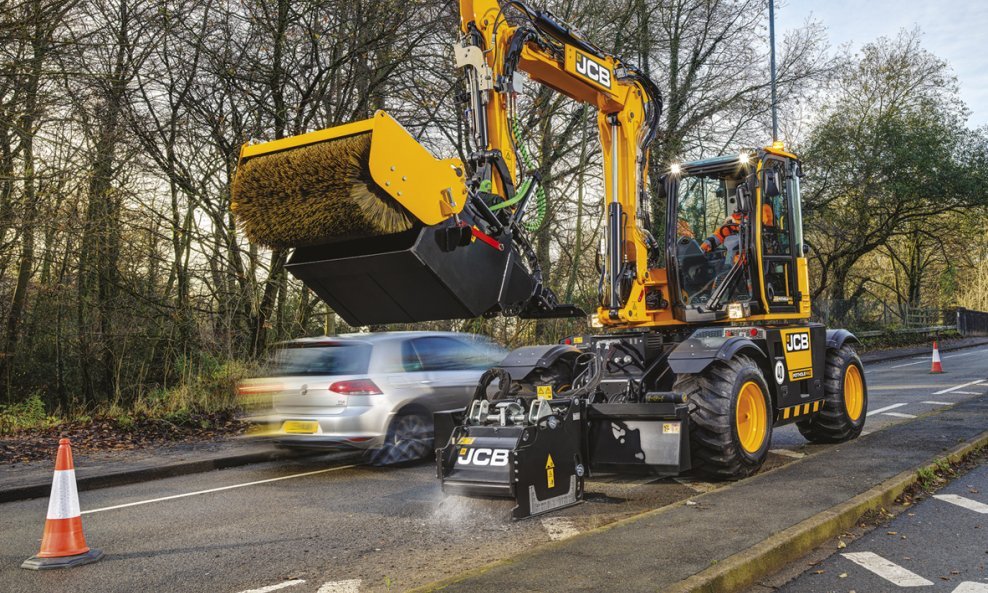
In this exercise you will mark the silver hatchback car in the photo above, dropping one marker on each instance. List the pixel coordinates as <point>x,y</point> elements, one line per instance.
<point>376,392</point>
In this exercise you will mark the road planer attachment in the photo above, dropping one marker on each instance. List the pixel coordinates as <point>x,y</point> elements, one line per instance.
<point>383,231</point>
<point>535,439</point>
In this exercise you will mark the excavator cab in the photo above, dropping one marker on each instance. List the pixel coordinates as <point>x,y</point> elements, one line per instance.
<point>737,242</point>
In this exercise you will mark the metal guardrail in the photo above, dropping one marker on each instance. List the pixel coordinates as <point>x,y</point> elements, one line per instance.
<point>914,330</point>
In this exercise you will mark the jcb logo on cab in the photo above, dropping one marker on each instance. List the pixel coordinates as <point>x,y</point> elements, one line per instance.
<point>483,456</point>
<point>797,342</point>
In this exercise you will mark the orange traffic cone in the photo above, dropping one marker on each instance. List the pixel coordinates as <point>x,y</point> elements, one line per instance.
<point>63,545</point>
<point>937,367</point>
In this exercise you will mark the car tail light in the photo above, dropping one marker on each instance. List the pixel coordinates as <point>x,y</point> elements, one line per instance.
<point>355,387</point>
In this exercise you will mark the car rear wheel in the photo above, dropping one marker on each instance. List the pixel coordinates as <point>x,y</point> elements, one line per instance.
<point>410,438</point>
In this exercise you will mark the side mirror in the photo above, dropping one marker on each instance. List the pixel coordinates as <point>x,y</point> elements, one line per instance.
<point>806,249</point>
<point>773,187</point>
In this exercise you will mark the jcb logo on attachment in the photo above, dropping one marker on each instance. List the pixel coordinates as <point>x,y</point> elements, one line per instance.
<point>483,456</point>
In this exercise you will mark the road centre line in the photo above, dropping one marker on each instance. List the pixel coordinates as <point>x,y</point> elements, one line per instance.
<point>220,489</point>
<point>967,503</point>
<point>909,364</point>
<point>886,569</point>
<point>898,415</point>
<point>885,409</point>
<point>926,358</point>
<point>942,391</point>
<point>938,403</point>
<point>349,586</point>
<point>270,588</point>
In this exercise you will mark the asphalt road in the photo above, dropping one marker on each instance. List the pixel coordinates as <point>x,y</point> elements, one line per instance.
<point>321,526</point>
<point>939,546</point>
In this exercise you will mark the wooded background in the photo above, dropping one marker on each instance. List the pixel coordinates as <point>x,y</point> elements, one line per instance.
<point>125,282</point>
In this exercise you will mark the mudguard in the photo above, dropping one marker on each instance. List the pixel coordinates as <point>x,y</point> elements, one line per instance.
<point>837,337</point>
<point>522,361</point>
<point>696,354</point>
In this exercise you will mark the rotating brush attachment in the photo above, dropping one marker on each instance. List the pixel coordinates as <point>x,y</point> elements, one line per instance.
<point>314,194</point>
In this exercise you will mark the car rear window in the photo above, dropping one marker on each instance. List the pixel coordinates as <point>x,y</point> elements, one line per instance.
<point>319,359</point>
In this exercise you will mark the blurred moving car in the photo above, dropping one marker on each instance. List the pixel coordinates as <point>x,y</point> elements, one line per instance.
<point>375,392</point>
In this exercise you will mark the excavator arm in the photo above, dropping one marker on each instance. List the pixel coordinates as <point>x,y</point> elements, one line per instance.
<point>502,40</point>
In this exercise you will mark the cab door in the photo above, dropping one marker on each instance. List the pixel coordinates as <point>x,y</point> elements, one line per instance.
<point>778,240</point>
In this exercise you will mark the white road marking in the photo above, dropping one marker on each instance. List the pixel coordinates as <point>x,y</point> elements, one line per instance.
<point>350,586</point>
<point>696,486</point>
<point>909,364</point>
<point>967,393</point>
<point>290,583</point>
<point>898,415</point>
<point>928,358</point>
<point>559,528</point>
<point>173,497</point>
<point>971,587</point>
<point>889,571</point>
<point>942,391</point>
<point>788,453</point>
<point>885,409</point>
<point>967,503</point>
<point>965,354</point>
<point>932,403</point>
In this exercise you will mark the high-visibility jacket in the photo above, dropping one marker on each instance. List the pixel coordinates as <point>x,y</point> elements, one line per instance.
<point>731,227</point>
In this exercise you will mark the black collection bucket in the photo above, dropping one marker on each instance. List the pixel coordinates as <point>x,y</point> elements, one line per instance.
<point>413,276</point>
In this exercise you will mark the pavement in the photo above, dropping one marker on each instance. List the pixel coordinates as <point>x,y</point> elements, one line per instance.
<point>717,541</point>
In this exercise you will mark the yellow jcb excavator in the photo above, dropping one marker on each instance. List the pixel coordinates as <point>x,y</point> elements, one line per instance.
<point>710,344</point>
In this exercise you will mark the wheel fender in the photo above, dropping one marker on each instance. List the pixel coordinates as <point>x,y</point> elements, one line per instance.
<point>837,337</point>
<point>522,361</point>
<point>696,354</point>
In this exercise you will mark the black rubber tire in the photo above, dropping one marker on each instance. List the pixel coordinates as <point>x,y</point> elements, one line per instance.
<point>715,447</point>
<point>411,437</point>
<point>832,424</point>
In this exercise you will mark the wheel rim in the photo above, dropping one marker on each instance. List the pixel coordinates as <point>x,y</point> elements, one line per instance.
<point>853,392</point>
<point>750,417</point>
<point>409,428</point>
<point>410,439</point>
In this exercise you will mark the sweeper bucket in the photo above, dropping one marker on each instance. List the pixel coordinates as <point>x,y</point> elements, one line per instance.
<point>380,228</point>
<point>364,179</point>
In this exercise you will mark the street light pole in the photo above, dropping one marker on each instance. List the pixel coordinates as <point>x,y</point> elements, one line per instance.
<point>771,38</point>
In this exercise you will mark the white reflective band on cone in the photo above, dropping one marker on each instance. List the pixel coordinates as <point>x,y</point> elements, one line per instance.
<point>64,501</point>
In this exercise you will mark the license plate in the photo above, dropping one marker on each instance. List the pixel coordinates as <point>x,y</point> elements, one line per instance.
<point>300,427</point>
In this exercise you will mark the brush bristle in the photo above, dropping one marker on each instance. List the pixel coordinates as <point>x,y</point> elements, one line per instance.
<point>314,194</point>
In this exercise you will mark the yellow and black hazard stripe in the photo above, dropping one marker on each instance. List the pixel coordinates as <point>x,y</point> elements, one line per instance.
<point>796,411</point>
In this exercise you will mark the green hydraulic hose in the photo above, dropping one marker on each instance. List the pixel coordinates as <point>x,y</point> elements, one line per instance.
<point>540,201</point>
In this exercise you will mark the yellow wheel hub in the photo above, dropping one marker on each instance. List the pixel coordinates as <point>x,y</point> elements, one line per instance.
<point>751,417</point>
<point>853,392</point>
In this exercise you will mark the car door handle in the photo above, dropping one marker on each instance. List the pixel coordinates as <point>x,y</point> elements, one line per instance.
<point>426,382</point>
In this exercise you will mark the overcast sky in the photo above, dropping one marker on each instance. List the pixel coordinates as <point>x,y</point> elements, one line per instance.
<point>956,32</point>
